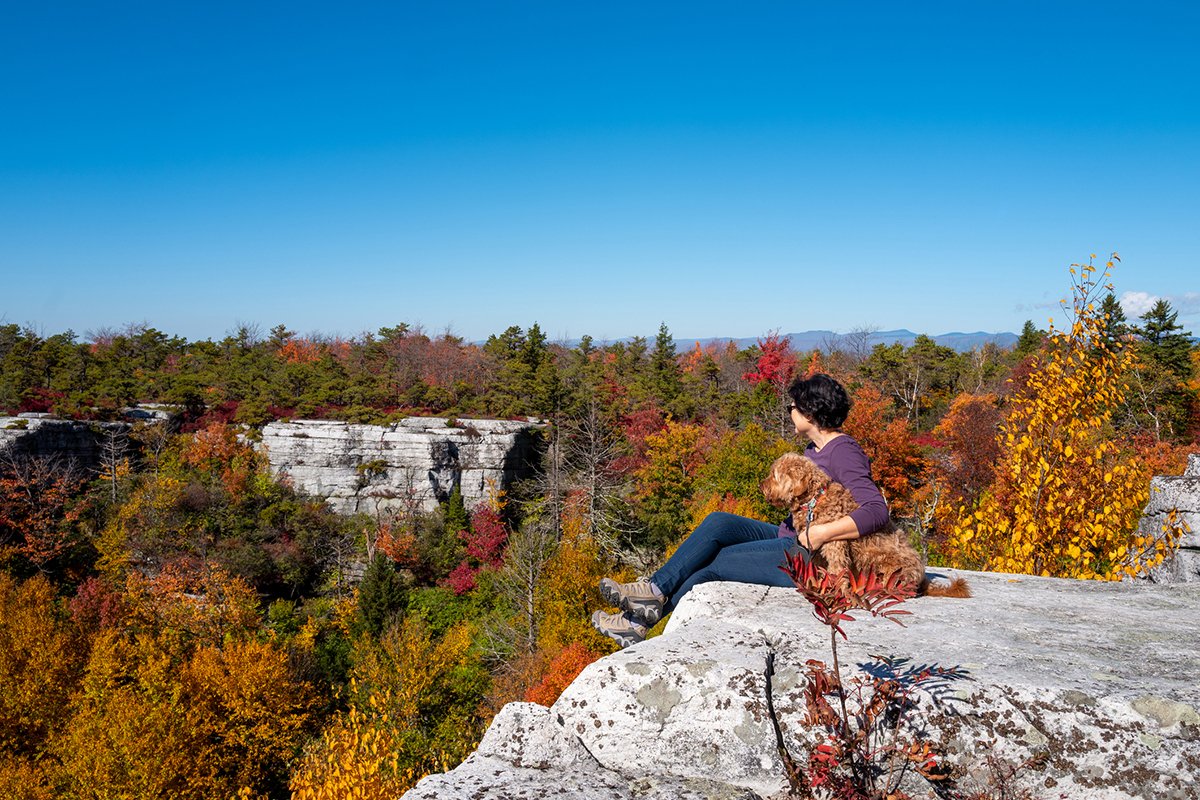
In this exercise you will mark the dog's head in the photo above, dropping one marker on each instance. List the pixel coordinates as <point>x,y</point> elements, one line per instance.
<point>793,480</point>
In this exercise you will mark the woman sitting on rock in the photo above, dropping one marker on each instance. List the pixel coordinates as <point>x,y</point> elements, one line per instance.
<point>726,547</point>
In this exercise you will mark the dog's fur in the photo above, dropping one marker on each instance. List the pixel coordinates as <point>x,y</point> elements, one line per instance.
<point>794,480</point>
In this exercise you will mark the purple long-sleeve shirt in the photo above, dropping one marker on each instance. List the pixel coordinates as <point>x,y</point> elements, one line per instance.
<point>845,462</point>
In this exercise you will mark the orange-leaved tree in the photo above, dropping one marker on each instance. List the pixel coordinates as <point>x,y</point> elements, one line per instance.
<point>37,515</point>
<point>968,435</point>
<point>562,669</point>
<point>897,464</point>
<point>1066,498</point>
<point>554,638</point>
<point>357,758</point>
<point>254,707</point>
<point>164,713</point>
<point>566,596</point>
<point>40,663</point>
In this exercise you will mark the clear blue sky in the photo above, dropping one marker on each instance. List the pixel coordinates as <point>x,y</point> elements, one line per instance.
<point>728,168</point>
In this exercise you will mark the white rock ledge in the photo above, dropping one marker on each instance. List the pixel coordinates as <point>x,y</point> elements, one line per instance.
<point>1099,679</point>
<point>1182,494</point>
<point>414,462</point>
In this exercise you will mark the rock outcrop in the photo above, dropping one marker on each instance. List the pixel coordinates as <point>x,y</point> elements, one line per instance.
<point>414,463</point>
<point>41,436</point>
<point>1183,494</point>
<point>1092,686</point>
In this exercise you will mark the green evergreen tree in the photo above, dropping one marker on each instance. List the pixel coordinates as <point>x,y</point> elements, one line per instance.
<point>1116,326</point>
<point>527,381</point>
<point>545,386</point>
<point>533,350</point>
<point>665,374</point>
<point>280,335</point>
<point>381,595</point>
<point>581,376</point>
<point>1164,341</point>
<point>512,374</point>
<point>921,377</point>
<point>547,389</point>
<point>455,513</point>
<point>1030,340</point>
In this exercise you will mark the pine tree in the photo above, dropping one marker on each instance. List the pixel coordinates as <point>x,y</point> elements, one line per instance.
<point>455,512</point>
<point>1030,340</point>
<point>1164,342</point>
<point>528,381</point>
<point>1114,324</point>
<point>664,368</point>
<point>381,595</point>
<point>1162,398</point>
<point>511,385</point>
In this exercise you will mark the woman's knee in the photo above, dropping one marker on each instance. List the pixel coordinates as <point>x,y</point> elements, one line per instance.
<point>724,527</point>
<point>720,530</point>
<point>721,518</point>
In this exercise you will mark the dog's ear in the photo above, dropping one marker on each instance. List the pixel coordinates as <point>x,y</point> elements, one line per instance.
<point>816,477</point>
<point>772,485</point>
<point>780,486</point>
<point>800,479</point>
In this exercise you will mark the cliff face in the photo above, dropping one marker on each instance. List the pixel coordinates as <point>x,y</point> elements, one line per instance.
<point>1096,682</point>
<point>412,464</point>
<point>1181,493</point>
<point>38,437</point>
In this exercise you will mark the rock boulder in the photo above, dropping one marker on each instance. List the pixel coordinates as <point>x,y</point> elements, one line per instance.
<point>1092,686</point>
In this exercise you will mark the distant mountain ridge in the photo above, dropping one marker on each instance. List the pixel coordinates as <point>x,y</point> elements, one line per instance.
<point>812,340</point>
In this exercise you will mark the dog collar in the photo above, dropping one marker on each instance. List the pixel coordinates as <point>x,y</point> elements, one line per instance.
<point>811,506</point>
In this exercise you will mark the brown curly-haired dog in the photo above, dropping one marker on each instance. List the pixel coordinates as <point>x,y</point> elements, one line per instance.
<point>798,483</point>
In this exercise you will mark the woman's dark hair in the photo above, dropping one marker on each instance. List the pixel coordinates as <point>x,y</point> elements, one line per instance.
<point>821,399</point>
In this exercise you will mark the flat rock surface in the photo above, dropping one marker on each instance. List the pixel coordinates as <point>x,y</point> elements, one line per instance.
<point>1091,686</point>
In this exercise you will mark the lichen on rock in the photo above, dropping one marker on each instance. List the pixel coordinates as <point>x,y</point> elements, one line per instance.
<point>1089,685</point>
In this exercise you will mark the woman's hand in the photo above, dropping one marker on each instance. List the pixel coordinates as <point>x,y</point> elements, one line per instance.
<point>815,537</point>
<point>821,534</point>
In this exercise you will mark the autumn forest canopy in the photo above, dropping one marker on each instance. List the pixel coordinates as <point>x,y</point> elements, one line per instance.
<point>176,622</point>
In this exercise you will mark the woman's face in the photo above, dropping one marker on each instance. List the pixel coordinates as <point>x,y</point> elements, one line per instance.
<point>802,424</point>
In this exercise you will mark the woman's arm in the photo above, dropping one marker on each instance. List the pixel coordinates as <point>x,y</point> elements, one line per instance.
<point>840,529</point>
<point>849,466</point>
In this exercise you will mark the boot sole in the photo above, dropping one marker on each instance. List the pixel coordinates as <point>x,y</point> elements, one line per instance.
<point>648,612</point>
<point>622,639</point>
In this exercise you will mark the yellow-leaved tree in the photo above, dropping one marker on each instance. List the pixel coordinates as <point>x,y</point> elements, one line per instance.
<point>567,594</point>
<point>184,698</point>
<point>413,710</point>
<point>1067,495</point>
<point>666,481</point>
<point>41,658</point>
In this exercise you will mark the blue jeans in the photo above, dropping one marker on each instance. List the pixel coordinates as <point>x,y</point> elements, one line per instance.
<point>726,547</point>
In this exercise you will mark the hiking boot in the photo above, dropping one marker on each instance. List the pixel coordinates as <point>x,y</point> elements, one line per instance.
<point>622,628</point>
<point>638,599</point>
